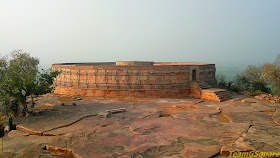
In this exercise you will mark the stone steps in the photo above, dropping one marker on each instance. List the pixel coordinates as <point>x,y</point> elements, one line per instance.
<point>204,85</point>
<point>223,95</point>
<point>203,90</point>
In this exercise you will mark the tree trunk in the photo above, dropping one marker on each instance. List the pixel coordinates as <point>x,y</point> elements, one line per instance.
<point>24,103</point>
<point>32,101</point>
<point>278,89</point>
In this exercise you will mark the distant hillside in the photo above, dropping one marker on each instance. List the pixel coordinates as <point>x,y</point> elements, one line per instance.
<point>229,71</point>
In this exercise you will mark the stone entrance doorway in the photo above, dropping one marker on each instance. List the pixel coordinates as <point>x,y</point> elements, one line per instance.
<point>194,75</point>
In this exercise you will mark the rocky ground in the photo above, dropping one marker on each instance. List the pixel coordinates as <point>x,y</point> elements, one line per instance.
<point>268,97</point>
<point>156,127</point>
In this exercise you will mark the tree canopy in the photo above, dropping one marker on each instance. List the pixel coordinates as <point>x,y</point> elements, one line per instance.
<point>20,77</point>
<point>272,73</point>
<point>261,78</point>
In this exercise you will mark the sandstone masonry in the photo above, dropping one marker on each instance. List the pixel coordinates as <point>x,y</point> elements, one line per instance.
<point>132,79</point>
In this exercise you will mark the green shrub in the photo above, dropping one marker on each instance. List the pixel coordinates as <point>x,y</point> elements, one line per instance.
<point>235,88</point>
<point>243,82</point>
<point>260,86</point>
<point>258,92</point>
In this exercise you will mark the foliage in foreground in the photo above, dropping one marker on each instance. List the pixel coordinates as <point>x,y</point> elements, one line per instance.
<point>20,77</point>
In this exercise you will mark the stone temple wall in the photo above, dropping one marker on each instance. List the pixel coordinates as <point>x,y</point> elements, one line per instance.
<point>132,79</point>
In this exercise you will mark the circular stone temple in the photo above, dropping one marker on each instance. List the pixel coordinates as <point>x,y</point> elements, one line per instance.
<point>131,78</point>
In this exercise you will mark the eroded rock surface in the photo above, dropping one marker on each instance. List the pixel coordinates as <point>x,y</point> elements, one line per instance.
<point>149,128</point>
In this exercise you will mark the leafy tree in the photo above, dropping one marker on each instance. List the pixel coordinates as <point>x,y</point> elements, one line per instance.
<point>243,82</point>
<point>251,79</point>
<point>43,84</point>
<point>10,105</point>
<point>21,78</point>
<point>255,73</point>
<point>272,73</point>
<point>256,79</point>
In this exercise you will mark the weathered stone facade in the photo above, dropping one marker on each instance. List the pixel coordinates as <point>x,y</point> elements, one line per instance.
<point>133,79</point>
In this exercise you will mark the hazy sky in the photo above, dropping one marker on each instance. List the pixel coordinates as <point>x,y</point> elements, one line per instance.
<point>218,31</point>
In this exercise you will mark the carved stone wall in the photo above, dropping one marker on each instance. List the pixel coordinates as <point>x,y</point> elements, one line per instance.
<point>139,79</point>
